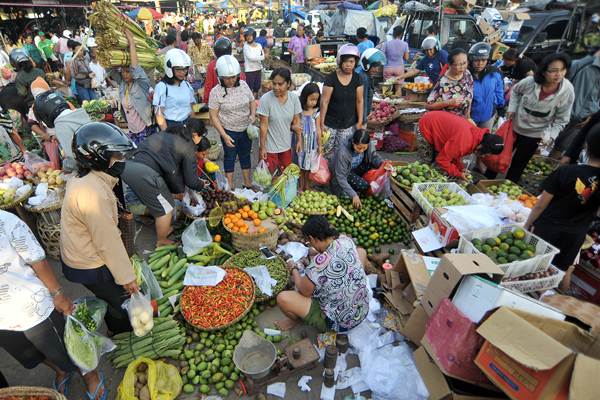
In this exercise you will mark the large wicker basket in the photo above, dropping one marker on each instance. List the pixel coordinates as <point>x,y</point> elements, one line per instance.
<point>25,391</point>
<point>50,237</point>
<point>18,201</point>
<point>255,240</point>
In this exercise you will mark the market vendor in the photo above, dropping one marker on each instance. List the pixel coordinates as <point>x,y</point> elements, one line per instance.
<point>163,165</point>
<point>568,205</point>
<point>134,87</point>
<point>488,87</point>
<point>91,250</point>
<point>26,73</point>
<point>332,292</point>
<point>431,63</point>
<point>31,313</point>
<point>174,96</point>
<point>367,67</point>
<point>452,137</point>
<point>351,161</point>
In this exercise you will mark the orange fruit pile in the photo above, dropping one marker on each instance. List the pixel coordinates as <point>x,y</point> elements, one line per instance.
<point>418,87</point>
<point>236,222</point>
<point>527,200</point>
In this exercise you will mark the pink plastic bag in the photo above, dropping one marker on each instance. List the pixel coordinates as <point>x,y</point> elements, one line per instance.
<point>320,175</point>
<point>53,152</point>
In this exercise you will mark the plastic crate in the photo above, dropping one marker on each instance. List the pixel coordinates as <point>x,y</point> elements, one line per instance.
<point>419,188</point>
<point>536,285</point>
<point>544,251</point>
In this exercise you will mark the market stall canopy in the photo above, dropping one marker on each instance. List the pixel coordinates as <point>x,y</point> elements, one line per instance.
<point>145,14</point>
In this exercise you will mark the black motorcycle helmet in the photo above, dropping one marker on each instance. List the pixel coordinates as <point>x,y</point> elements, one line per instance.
<point>18,56</point>
<point>96,142</point>
<point>47,107</point>
<point>222,47</point>
<point>250,32</point>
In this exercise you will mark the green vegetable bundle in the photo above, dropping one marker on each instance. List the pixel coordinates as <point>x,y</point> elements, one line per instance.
<point>110,24</point>
<point>164,340</point>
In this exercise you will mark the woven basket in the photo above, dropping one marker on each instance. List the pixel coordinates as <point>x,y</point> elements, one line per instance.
<point>18,201</point>
<point>215,151</point>
<point>411,117</point>
<point>16,391</point>
<point>218,328</point>
<point>254,240</point>
<point>50,237</point>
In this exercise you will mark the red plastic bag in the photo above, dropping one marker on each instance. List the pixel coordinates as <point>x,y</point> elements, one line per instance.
<point>320,175</point>
<point>378,180</point>
<point>53,152</point>
<point>499,163</point>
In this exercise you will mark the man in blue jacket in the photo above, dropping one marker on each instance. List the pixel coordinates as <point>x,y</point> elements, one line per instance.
<point>488,90</point>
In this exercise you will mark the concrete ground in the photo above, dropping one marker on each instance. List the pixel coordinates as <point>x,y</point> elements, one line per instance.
<point>43,375</point>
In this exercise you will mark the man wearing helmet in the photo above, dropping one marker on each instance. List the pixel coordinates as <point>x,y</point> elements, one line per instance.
<point>26,74</point>
<point>232,110</point>
<point>221,48</point>
<point>91,248</point>
<point>253,57</point>
<point>174,96</point>
<point>431,63</point>
<point>368,65</point>
<point>488,86</point>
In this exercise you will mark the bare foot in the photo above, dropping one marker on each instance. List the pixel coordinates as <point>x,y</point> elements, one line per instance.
<point>286,324</point>
<point>164,242</point>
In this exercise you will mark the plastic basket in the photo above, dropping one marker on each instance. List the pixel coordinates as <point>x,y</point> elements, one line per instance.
<point>536,285</point>
<point>419,188</point>
<point>544,251</point>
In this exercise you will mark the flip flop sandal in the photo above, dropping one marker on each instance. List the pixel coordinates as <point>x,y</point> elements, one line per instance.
<point>64,384</point>
<point>100,386</point>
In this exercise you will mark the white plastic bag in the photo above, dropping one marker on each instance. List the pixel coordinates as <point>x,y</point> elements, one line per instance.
<point>261,176</point>
<point>222,182</point>
<point>262,278</point>
<point>140,312</point>
<point>189,197</point>
<point>195,237</point>
<point>253,132</point>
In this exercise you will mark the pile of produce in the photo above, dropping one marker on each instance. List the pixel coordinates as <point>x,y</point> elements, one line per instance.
<point>141,390</point>
<point>165,340</point>
<point>214,197</point>
<point>591,254</point>
<point>373,225</point>
<point>506,247</point>
<point>393,143</point>
<point>15,169</point>
<point>262,177</point>
<point>443,198</point>
<point>533,275</point>
<point>418,87</point>
<point>252,258</point>
<point>7,196</point>
<point>308,203</point>
<point>109,25</point>
<point>512,190</point>
<point>539,166</point>
<point>49,175</point>
<point>213,307</point>
<point>527,200</point>
<point>327,66</point>
<point>382,112</point>
<point>96,108</point>
<point>249,219</point>
<point>389,10</point>
<point>206,363</point>
<point>417,172</point>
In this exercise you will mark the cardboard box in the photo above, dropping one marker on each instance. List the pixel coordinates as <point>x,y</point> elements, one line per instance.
<point>414,327</point>
<point>529,357</point>
<point>452,342</point>
<point>440,387</point>
<point>584,314</point>
<point>446,232</point>
<point>498,50</point>
<point>406,282</point>
<point>586,284</point>
<point>486,27</point>
<point>476,296</point>
<point>449,273</point>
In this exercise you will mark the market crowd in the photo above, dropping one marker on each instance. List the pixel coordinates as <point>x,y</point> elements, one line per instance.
<point>215,63</point>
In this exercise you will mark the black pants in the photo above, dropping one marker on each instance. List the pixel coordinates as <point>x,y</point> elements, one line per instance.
<point>356,180</point>
<point>525,148</point>
<point>116,317</point>
<point>41,342</point>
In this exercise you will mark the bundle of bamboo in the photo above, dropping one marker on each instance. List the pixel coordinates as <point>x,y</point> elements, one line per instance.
<point>110,24</point>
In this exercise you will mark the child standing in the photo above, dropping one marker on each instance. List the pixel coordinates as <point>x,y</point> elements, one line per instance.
<point>310,98</point>
<point>567,206</point>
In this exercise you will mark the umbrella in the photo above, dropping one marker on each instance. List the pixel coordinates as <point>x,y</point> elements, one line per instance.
<point>144,13</point>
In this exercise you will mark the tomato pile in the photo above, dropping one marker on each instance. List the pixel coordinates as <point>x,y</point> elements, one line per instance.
<point>210,307</point>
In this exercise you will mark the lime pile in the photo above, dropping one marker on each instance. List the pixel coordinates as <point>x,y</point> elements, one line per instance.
<point>417,172</point>
<point>310,203</point>
<point>512,190</point>
<point>374,224</point>
<point>443,198</point>
<point>539,166</point>
<point>506,247</point>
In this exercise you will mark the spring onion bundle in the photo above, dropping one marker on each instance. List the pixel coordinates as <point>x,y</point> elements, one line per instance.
<point>110,24</point>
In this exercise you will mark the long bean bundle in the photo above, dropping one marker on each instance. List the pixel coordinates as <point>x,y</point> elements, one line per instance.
<point>110,24</point>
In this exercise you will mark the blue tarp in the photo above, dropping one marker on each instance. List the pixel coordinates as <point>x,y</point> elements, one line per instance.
<point>350,6</point>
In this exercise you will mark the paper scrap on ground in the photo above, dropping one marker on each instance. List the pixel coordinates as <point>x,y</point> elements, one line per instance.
<point>340,365</point>
<point>295,249</point>
<point>197,275</point>
<point>348,378</point>
<point>427,239</point>
<point>262,278</point>
<point>431,263</point>
<point>327,393</point>
<point>277,389</point>
<point>303,383</point>
<point>372,280</point>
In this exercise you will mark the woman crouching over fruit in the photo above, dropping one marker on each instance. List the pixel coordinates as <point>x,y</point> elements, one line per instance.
<point>332,292</point>
<point>350,162</point>
<point>567,206</point>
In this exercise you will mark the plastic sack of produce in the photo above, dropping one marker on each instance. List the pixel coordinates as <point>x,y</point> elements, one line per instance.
<point>320,175</point>
<point>146,379</point>
<point>261,176</point>
<point>253,132</point>
<point>192,203</point>
<point>84,344</point>
<point>499,163</point>
<point>379,180</point>
<point>195,237</point>
<point>33,162</point>
<point>140,312</point>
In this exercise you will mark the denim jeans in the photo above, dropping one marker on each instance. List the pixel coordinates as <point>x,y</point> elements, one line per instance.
<point>85,93</point>
<point>241,150</point>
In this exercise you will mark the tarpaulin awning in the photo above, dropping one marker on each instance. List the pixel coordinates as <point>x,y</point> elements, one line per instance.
<point>145,14</point>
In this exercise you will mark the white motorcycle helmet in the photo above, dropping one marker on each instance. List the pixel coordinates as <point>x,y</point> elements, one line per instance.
<point>176,58</point>
<point>227,66</point>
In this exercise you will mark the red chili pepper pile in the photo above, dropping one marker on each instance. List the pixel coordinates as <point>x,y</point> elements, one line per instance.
<point>211,307</point>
